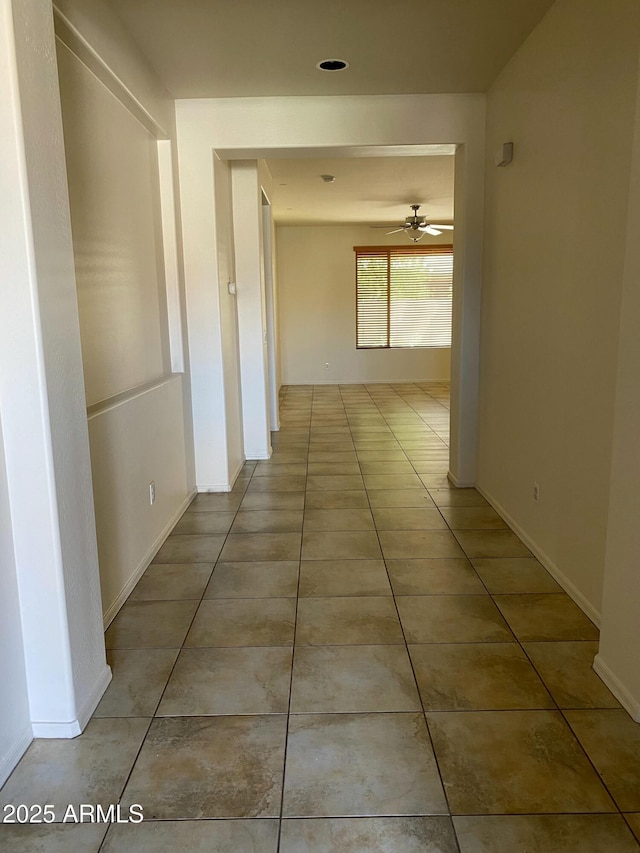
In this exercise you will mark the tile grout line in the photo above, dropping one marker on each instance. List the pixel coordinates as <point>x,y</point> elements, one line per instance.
<point>293,644</point>
<point>406,648</point>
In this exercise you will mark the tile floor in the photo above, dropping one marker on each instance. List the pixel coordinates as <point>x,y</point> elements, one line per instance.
<point>346,654</point>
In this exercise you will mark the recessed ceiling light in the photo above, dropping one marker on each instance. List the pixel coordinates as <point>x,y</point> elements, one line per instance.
<point>332,65</point>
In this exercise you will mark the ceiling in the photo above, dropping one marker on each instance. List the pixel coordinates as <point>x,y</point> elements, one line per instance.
<point>366,190</point>
<point>240,48</point>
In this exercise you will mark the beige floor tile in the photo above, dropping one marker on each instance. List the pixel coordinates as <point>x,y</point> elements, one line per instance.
<point>250,547</point>
<point>280,469</point>
<point>452,619</point>
<point>392,467</point>
<point>332,451</point>
<point>392,481</point>
<point>151,624</point>
<point>407,518</point>
<point>240,485</point>
<point>544,834</point>
<point>400,498</point>
<point>491,543</point>
<point>352,544</point>
<point>545,617</point>
<point>611,739</point>
<point>418,544</point>
<point>91,768</point>
<point>205,522</point>
<point>203,767</point>
<point>254,580</point>
<point>222,836</point>
<point>567,670</point>
<point>472,518</point>
<point>514,575</point>
<point>268,521</point>
<point>434,577</point>
<point>450,496</point>
<point>334,483</point>
<point>345,621</point>
<point>215,502</point>
<point>243,622</point>
<point>229,681</point>
<point>172,581</point>
<point>321,578</point>
<point>360,764</point>
<point>338,519</point>
<point>357,835</point>
<point>381,456</point>
<point>435,480</point>
<point>333,469</point>
<point>139,677</point>
<point>376,444</point>
<point>272,500</point>
<point>352,679</point>
<point>289,456</point>
<point>336,500</point>
<point>190,549</point>
<point>477,677</point>
<point>52,838</point>
<point>514,762</point>
<point>428,467</point>
<point>634,822</point>
<point>291,483</point>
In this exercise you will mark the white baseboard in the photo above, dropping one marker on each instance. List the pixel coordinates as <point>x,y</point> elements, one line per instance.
<point>459,484</point>
<point>143,564</point>
<point>14,754</point>
<point>72,728</point>
<point>205,488</point>
<point>255,454</point>
<point>628,702</point>
<point>362,382</point>
<point>569,587</point>
<point>236,473</point>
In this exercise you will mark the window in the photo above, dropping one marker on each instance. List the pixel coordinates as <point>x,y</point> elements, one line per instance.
<point>403,296</point>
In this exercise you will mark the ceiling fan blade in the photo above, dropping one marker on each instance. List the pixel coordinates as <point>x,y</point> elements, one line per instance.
<point>397,231</point>
<point>442,227</point>
<point>431,230</point>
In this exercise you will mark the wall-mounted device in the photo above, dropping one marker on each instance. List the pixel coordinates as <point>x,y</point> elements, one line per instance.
<point>504,154</point>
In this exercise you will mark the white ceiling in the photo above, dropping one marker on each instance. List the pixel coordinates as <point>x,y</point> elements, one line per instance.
<point>237,48</point>
<point>367,190</point>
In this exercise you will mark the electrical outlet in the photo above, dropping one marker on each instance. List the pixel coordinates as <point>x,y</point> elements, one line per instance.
<point>536,492</point>
<point>152,493</point>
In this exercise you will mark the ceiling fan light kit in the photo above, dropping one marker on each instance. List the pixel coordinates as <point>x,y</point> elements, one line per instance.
<point>416,227</point>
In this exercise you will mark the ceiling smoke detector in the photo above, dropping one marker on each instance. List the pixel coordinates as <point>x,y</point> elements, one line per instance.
<point>332,65</point>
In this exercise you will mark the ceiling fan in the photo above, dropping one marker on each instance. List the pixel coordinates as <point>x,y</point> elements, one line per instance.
<point>416,227</point>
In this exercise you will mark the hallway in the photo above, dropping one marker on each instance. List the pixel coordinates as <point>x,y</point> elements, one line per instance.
<point>401,597</point>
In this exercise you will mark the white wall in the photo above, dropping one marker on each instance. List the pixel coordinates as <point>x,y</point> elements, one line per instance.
<point>15,719</point>
<point>317,311</point>
<point>617,660</point>
<point>251,302</point>
<point>248,128</point>
<point>112,168</point>
<point>139,413</point>
<point>230,347</point>
<point>41,391</point>
<point>554,250</point>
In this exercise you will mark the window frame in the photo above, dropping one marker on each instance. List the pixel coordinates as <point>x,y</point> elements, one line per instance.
<point>428,249</point>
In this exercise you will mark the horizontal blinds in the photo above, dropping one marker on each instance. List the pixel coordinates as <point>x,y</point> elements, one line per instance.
<point>404,296</point>
<point>372,299</point>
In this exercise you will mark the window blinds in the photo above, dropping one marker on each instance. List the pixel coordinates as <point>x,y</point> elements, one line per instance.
<point>403,296</point>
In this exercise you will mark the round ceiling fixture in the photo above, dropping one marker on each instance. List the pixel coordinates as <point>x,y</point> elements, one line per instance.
<point>328,179</point>
<point>332,65</point>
